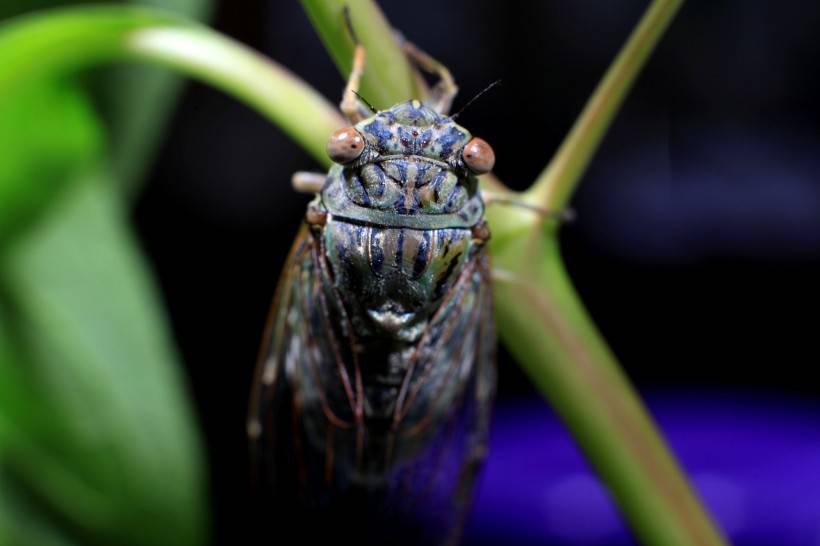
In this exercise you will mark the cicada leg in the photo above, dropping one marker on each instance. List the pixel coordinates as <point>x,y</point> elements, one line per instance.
<point>351,106</point>
<point>308,182</point>
<point>484,393</point>
<point>441,96</point>
<point>445,90</point>
<point>494,198</point>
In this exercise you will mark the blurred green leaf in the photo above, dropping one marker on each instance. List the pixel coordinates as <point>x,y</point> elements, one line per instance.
<point>118,450</point>
<point>134,101</point>
<point>49,133</point>
<point>97,443</point>
<point>10,8</point>
<point>93,35</point>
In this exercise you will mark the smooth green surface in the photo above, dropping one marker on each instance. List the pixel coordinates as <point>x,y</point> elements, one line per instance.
<point>96,35</point>
<point>388,78</point>
<point>262,84</point>
<point>553,187</point>
<point>546,327</point>
<point>108,453</point>
<point>50,134</point>
<point>110,446</point>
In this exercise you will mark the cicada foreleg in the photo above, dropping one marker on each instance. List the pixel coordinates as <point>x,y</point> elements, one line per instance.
<point>445,90</point>
<point>494,198</point>
<point>351,105</point>
<point>308,182</point>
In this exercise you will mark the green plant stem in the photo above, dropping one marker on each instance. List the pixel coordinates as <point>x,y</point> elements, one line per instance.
<point>545,326</point>
<point>388,76</point>
<point>74,38</point>
<point>553,187</point>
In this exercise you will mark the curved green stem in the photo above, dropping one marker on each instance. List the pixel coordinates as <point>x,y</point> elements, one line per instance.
<point>553,187</point>
<point>545,326</point>
<point>74,38</point>
<point>388,76</point>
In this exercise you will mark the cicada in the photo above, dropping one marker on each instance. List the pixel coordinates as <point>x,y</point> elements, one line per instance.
<point>371,405</point>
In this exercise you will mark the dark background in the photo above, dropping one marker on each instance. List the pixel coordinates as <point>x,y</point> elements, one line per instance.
<point>696,244</point>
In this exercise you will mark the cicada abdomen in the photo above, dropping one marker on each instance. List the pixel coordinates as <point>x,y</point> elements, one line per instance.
<point>370,410</point>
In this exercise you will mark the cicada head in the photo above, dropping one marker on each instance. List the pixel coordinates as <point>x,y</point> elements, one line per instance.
<point>407,162</point>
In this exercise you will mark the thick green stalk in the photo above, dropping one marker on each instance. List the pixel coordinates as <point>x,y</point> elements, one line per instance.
<point>388,77</point>
<point>545,326</point>
<point>90,35</point>
<point>554,185</point>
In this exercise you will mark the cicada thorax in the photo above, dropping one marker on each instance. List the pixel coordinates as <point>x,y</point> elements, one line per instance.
<point>393,282</point>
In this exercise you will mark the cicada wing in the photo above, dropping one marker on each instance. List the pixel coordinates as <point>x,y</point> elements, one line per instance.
<point>449,404</point>
<point>302,428</point>
<point>272,411</point>
<point>301,391</point>
<point>477,407</point>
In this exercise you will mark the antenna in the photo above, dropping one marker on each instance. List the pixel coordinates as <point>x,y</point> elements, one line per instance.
<point>366,102</point>
<point>472,100</point>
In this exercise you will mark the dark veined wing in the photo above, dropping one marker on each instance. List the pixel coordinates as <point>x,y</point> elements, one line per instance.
<point>415,482</point>
<point>447,406</point>
<point>301,388</point>
<point>272,403</point>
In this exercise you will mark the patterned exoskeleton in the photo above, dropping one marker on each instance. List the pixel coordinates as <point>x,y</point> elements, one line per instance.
<point>370,410</point>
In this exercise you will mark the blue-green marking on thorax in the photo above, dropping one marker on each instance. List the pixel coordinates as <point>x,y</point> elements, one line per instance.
<point>410,173</point>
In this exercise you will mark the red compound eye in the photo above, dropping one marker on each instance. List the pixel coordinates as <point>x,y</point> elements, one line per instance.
<point>478,156</point>
<point>345,145</point>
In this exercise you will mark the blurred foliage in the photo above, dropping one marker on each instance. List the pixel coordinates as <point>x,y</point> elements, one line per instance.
<point>50,134</point>
<point>97,440</point>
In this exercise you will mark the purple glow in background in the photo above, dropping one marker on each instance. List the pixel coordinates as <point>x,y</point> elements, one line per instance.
<point>754,459</point>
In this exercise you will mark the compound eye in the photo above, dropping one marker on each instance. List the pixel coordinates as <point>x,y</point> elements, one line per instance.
<point>478,156</point>
<point>345,145</point>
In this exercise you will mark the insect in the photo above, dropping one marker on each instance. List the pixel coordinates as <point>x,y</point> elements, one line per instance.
<point>371,405</point>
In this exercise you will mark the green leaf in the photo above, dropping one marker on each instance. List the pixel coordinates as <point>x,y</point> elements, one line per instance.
<point>136,101</point>
<point>117,461</point>
<point>97,443</point>
<point>48,133</point>
<point>90,36</point>
<point>133,101</point>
